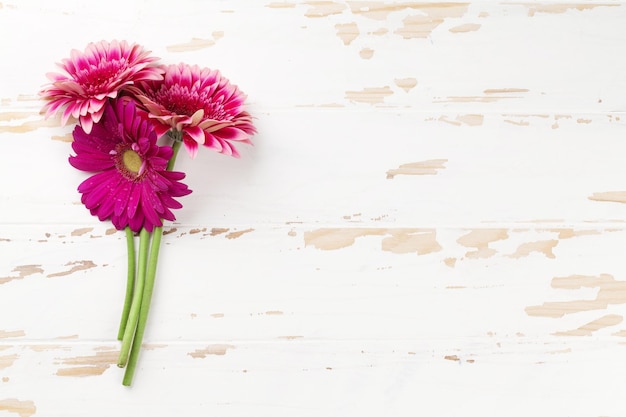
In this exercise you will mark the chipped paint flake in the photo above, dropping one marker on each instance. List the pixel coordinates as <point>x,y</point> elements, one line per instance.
<point>609,292</point>
<point>541,246</point>
<point>63,138</point>
<point>461,119</point>
<point>366,53</point>
<point>347,32</point>
<point>88,365</point>
<point>216,349</point>
<point>22,408</point>
<point>403,241</point>
<point>480,240</point>
<point>396,240</point>
<point>80,232</point>
<point>7,360</point>
<point>611,196</point>
<point>281,5</point>
<point>75,267</point>
<point>31,125</point>
<point>370,95</point>
<point>323,8</point>
<point>595,325</point>
<point>218,231</point>
<point>407,84</point>
<point>451,262</point>
<point>274,313</point>
<point>468,27</point>
<point>429,167</point>
<point>22,272</point>
<point>196,43</point>
<point>235,235</point>
<point>379,10</point>
<point>434,14</point>
<point>554,8</point>
<point>505,90</point>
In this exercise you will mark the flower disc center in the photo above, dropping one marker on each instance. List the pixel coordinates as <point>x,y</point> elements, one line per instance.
<point>132,160</point>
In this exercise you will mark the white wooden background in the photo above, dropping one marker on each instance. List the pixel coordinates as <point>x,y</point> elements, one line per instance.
<point>431,221</point>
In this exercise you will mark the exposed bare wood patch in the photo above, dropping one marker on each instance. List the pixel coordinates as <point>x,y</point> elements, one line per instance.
<point>468,27</point>
<point>397,240</point>
<point>80,232</point>
<point>429,167</point>
<point>15,115</point>
<point>217,349</point>
<point>323,8</point>
<point>22,408</point>
<point>370,95</point>
<point>402,241</point>
<point>75,267</point>
<point>610,291</point>
<point>380,10</point>
<point>31,125</point>
<point>480,240</point>
<point>450,262</point>
<point>407,84</point>
<point>274,313</point>
<point>235,235</point>
<point>366,53</point>
<point>347,32</point>
<point>64,138</point>
<point>461,119</point>
<point>595,325</point>
<point>218,231</point>
<point>281,5</point>
<point>611,196</point>
<point>7,360</point>
<point>505,90</point>
<point>196,43</point>
<point>534,8</point>
<point>541,246</point>
<point>93,365</point>
<point>22,272</point>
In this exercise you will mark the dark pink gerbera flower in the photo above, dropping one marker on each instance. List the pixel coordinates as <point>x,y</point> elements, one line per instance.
<point>132,186</point>
<point>95,75</point>
<point>200,104</point>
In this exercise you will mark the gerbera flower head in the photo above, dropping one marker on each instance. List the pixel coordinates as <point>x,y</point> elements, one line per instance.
<point>91,77</point>
<point>200,104</point>
<point>132,186</point>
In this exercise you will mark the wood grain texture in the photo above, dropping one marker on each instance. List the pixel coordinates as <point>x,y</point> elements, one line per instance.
<point>430,222</point>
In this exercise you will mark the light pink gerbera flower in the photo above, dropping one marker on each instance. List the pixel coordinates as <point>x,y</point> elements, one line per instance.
<point>132,186</point>
<point>201,105</point>
<point>93,76</point>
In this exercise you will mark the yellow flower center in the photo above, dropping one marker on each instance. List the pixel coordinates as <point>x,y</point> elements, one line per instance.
<point>132,160</point>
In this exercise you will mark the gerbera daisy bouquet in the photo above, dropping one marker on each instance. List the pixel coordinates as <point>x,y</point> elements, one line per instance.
<point>133,115</point>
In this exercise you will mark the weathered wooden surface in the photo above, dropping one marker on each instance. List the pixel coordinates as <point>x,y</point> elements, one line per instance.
<point>431,221</point>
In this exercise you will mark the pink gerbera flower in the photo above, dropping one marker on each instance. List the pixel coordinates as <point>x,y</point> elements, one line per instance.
<point>93,76</point>
<point>201,107</point>
<point>132,186</point>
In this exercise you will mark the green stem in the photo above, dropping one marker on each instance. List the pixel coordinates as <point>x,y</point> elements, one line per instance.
<point>144,243</point>
<point>175,148</point>
<point>145,306</point>
<point>130,281</point>
<point>148,288</point>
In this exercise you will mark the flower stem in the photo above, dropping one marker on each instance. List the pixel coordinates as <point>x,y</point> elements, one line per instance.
<point>131,324</point>
<point>130,281</point>
<point>175,148</point>
<point>145,306</point>
<point>147,288</point>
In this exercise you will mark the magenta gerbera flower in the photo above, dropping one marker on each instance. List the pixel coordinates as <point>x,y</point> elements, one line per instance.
<point>201,105</point>
<point>95,75</point>
<point>132,186</point>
